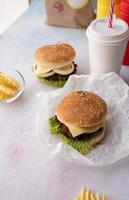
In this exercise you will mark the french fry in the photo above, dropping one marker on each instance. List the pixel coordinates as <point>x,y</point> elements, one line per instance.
<point>104,197</point>
<point>7,91</point>
<point>4,96</point>
<point>78,198</point>
<point>83,194</point>
<point>97,197</point>
<point>9,81</point>
<point>92,196</point>
<point>86,194</point>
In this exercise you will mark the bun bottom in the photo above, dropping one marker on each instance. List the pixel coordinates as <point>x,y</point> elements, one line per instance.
<point>99,137</point>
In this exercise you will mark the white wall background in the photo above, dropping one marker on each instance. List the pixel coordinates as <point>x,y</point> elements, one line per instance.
<point>10,10</point>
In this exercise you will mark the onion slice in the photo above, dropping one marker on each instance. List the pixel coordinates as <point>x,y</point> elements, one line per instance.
<point>47,74</point>
<point>65,70</point>
<point>42,72</point>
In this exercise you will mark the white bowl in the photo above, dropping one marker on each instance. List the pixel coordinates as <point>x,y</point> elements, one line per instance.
<point>19,77</point>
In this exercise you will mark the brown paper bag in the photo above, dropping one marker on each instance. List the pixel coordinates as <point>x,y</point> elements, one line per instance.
<point>69,13</point>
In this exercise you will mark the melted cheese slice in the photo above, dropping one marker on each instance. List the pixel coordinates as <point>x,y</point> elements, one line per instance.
<point>76,131</point>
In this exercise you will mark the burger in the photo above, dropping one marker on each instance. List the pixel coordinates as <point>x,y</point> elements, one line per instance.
<point>55,63</point>
<point>79,120</point>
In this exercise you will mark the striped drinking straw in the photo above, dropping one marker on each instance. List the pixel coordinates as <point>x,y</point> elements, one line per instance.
<point>110,19</point>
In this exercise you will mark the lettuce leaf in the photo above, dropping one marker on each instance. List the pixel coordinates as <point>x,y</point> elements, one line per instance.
<point>82,146</point>
<point>54,126</point>
<point>57,83</point>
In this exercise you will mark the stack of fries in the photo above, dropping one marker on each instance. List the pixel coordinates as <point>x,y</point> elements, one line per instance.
<point>87,194</point>
<point>8,86</point>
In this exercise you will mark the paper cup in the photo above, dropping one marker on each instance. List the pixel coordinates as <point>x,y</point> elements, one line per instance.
<point>107,45</point>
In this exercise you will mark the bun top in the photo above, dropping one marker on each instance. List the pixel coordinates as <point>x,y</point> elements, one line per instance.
<point>53,55</point>
<point>82,109</point>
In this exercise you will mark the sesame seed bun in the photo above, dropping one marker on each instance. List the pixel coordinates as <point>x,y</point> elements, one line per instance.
<point>82,109</point>
<point>55,56</point>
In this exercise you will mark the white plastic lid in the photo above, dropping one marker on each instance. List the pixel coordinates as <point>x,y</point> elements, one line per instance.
<point>99,30</point>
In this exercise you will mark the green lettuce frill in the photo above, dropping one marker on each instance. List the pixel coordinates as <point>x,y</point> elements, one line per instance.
<point>82,146</point>
<point>56,83</point>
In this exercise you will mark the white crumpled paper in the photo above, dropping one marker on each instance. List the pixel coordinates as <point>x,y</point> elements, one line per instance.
<point>115,146</point>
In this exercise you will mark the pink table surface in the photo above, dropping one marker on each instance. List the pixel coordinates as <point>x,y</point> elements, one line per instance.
<point>25,172</point>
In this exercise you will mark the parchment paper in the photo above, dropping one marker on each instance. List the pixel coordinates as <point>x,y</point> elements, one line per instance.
<point>115,146</point>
